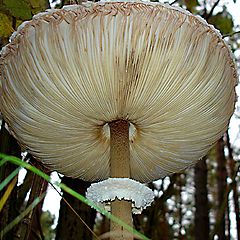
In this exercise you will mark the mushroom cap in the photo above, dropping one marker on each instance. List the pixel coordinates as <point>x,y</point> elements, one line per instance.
<point>67,73</point>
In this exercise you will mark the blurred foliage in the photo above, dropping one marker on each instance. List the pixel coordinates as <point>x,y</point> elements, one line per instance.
<point>6,28</point>
<point>22,9</point>
<point>19,9</point>
<point>191,5</point>
<point>222,21</point>
<point>14,12</point>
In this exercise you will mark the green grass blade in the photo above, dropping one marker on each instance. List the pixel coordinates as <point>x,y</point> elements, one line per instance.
<point>9,178</point>
<point>2,162</point>
<point>25,165</point>
<point>22,214</point>
<point>7,193</point>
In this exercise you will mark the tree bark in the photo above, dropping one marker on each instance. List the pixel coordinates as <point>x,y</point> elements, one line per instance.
<point>228,222</point>
<point>180,204</point>
<point>156,214</point>
<point>232,171</point>
<point>39,186</point>
<point>69,225</point>
<point>201,201</point>
<point>221,186</point>
<point>10,211</point>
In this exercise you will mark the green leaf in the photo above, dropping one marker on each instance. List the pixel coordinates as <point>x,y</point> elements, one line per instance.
<point>222,21</point>
<point>38,5</point>
<point>5,26</point>
<point>191,4</point>
<point>19,9</point>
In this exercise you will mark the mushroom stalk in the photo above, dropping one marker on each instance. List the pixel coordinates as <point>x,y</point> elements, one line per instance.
<point>120,168</point>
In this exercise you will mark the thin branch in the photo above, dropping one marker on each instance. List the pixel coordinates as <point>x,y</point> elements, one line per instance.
<point>231,34</point>
<point>205,9</point>
<point>212,9</point>
<point>173,2</point>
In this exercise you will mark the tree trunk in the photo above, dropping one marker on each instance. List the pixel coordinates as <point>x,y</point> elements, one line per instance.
<point>232,174</point>
<point>70,226</point>
<point>10,211</point>
<point>221,186</point>
<point>201,201</point>
<point>228,223</point>
<point>33,226</point>
<point>180,204</point>
<point>156,214</point>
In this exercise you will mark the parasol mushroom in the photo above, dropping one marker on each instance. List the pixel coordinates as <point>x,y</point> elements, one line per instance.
<point>117,89</point>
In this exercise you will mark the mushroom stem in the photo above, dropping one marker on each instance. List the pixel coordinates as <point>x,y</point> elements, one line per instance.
<point>120,168</point>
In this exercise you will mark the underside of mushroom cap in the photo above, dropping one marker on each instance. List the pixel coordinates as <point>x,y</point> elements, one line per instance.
<point>68,73</point>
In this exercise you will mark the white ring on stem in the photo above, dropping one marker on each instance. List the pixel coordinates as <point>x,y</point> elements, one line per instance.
<point>121,188</point>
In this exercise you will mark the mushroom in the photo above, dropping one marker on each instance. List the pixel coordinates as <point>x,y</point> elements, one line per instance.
<point>117,90</point>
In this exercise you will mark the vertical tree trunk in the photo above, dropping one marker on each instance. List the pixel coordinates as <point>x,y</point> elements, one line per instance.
<point>31,223</point>
<point>10,211</point>
<point>162,232</point>
<point>161,227</point>
<point>232,170</point>
<point>180,204</point>
<point>69,225</point>
<point>156,215</point>
<point>201,201</point>
<point>221,185</point>
<point>228,222</point>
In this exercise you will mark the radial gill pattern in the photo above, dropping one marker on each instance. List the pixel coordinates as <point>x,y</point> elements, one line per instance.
<point>67,73</point>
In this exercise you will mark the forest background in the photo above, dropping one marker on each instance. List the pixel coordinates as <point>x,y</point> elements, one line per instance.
<point>200,203</point>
